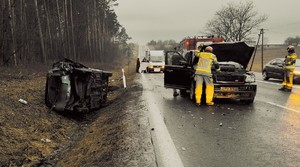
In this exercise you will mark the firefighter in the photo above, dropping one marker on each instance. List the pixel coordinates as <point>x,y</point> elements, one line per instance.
<point>288,68</point>
<point>138,64</point>
<point>203,74</point>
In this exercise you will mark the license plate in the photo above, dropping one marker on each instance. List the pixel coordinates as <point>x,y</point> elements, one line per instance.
<point>229,89</point>
<point>157,69</point>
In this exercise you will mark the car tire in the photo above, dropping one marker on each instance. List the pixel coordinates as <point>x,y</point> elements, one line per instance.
<point>182,92</point>
<point>265,76</point>
<point>192,91</point>
<point>249,101</point>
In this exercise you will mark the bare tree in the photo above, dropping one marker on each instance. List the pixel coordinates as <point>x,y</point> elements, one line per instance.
<point>12,22</point>
<point>49,28</point>
<point>72,30</point>
<point>40,32</point>
<point>292,41</point>
<point>235,22</point>
<point>60,28</point>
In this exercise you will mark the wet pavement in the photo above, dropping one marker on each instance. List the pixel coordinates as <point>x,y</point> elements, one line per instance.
<point>265,133</point>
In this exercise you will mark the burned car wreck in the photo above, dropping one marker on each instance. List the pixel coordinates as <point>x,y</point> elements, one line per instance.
<point>231,80</point>
<point>71,86</point>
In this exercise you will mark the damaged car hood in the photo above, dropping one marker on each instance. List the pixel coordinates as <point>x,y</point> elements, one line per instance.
<point>238,52</point>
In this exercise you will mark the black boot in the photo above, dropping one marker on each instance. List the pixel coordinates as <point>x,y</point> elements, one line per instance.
<point>288,90</point>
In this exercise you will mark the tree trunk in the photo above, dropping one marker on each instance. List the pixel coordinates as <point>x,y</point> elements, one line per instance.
<point>60,29</point>
<point>43,58</point>
<point>11,12</point>
<point>72,30</point>
<point>69,54</point>
<point>95,37</point>
<point>89,32</point>
<point>3,28</point>
<point>49,28</point>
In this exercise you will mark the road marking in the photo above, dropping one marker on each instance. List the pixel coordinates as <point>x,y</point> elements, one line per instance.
<point>266,82</point>
<point>280,106</point>
<point>272,83</point>
<point>163,143</point>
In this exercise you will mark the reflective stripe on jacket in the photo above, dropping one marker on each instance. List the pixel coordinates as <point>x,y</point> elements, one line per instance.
<point>205,61</point>
<point>290,61</point>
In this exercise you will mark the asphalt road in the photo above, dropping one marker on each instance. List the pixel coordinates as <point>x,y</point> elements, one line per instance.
<point>228,134</point>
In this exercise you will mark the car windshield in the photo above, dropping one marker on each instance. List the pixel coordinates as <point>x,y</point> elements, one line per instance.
<point>157,58</point>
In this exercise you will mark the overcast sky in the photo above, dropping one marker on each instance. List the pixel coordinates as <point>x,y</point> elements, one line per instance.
<point>147,20</point>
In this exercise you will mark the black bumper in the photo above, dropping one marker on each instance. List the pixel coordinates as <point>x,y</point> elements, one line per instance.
<point>235,91</point>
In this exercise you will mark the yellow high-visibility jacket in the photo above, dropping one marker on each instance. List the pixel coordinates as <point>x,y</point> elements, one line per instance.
<point>290,61</point>
<point>206,59</point>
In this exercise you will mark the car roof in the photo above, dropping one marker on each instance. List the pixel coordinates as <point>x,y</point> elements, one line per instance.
<point>282,59</point>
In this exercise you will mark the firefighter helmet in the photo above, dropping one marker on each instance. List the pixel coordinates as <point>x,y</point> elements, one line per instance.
<point>290,49</point>
<point>209,49</point>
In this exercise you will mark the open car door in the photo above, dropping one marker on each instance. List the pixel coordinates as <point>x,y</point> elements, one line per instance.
<point>177,71</point>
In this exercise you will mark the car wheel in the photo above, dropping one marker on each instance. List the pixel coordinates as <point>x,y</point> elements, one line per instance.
<point>265,76</point>
<point>182,92</point>
<point>249,101</point>
<point>192,91</point>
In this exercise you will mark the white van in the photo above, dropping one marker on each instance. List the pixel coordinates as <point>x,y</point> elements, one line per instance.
<point>154,61</point>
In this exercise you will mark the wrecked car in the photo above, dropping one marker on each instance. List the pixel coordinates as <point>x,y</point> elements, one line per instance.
<point>71,86</point>
<point>231,80</point>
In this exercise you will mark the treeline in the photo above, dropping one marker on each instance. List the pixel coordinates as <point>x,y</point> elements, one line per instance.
<point>45,30</point>
<point>162,45</point>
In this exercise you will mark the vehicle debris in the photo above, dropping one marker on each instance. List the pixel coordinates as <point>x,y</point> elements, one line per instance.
<point>23,101</point>
<point>46,140</point>
<point>71,86</point>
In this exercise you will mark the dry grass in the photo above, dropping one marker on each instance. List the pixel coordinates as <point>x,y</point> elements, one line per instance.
<point>24,128</point>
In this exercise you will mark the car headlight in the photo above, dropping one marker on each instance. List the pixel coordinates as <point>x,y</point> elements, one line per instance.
<point>250,78</point>
<point>150,66</point>
<point>162,66</point>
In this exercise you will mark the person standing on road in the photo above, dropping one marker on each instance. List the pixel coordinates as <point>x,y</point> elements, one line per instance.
<point>203,74</point>
<point>138,64</point>
<point>288,69</point>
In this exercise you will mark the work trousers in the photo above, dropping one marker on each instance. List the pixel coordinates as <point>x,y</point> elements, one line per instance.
<point>199,87</point>
<point>288,77</point>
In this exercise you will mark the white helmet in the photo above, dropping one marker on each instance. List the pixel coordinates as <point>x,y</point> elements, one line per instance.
<point>208,49</point>
<point>290,49</point>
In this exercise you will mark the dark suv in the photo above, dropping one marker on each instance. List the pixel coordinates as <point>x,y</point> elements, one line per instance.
<point>231,80</point>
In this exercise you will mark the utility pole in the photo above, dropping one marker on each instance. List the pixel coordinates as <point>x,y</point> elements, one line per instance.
<point>262,49</point>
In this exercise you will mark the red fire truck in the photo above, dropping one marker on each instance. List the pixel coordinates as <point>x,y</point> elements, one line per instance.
<point>191,43</point>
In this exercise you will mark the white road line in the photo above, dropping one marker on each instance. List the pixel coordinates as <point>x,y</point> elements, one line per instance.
<point>165,149</point>
<point>280,106</point>
<point>266,82</point>
<point>272,83</point>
